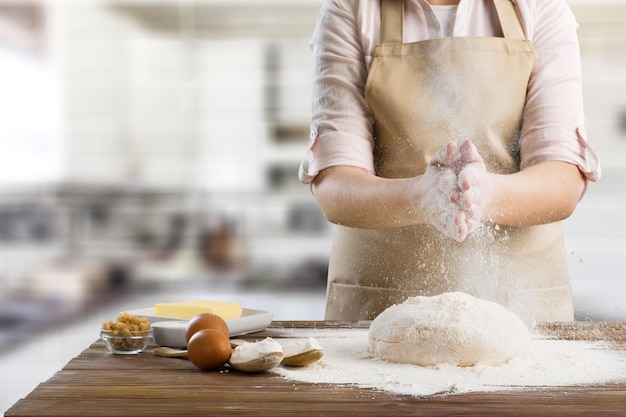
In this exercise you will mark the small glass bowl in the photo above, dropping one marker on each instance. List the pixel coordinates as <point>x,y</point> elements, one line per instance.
<point>135,343</point>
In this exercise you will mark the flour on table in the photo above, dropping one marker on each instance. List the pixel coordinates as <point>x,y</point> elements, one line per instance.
<point>454,328</point>
<point>552,363</point>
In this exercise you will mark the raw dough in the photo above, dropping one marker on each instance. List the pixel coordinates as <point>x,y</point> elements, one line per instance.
<point>454,328</point>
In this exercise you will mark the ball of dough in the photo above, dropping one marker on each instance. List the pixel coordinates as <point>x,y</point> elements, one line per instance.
<point>454,328</point>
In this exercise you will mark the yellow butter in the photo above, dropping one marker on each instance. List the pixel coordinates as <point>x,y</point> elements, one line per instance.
<point>188,309</point>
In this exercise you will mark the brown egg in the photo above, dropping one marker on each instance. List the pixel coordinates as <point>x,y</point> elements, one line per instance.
<point>206,321</point>
<point>208,349</point>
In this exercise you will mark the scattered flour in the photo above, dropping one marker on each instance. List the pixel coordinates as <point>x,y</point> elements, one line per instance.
<point>552,363</point>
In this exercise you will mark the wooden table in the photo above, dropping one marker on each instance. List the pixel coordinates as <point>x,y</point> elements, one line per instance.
<point>97,383</point>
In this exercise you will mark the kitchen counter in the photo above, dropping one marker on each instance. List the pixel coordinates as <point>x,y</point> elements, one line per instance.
<point>97,383</point>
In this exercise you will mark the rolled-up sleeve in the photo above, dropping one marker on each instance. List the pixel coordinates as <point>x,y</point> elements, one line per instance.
<point>553,123</point>
<point>341,124</point>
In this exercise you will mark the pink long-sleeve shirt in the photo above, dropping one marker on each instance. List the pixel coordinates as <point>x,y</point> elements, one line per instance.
<point>343,45</point>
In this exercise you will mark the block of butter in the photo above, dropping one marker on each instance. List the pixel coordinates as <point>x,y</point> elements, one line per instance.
<point>188,309</point>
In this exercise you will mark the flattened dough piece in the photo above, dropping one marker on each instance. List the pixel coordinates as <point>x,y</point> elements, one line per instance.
<point>453,327</point>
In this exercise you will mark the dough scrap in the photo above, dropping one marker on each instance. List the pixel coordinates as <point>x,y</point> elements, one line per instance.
<point>453,327</point>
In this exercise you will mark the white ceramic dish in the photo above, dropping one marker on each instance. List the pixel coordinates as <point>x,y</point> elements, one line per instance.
<point>170,332</point>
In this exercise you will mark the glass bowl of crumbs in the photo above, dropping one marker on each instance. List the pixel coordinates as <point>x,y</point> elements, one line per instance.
<point>127,335</point>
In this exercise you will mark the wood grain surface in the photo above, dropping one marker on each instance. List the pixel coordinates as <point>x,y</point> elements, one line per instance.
<point>97,383</point>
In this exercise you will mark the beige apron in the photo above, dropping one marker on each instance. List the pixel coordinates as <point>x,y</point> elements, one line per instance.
<point>423,95</point>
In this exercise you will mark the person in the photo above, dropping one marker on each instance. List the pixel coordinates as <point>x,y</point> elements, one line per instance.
<point>447,145</point>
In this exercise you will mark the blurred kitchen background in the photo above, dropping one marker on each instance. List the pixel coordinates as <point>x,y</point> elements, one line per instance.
<point>149,153</point>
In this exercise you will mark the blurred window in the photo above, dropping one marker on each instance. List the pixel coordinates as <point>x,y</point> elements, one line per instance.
<point>30,144</point>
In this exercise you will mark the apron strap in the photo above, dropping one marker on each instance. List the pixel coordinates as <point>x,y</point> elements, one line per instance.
<point>511,26</point>
<point>392,12</point>
<point>392,20</point>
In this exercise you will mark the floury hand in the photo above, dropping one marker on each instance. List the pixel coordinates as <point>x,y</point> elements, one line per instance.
<point>461,184</point>
<point>473,183</point>
<point>442,203</point>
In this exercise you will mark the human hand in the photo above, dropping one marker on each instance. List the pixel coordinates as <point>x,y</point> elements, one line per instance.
<point>460,191</point>
<point>444,194</point>
<point>473,184</point>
